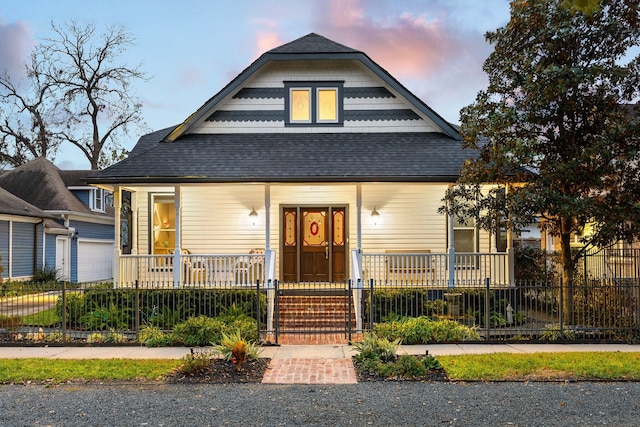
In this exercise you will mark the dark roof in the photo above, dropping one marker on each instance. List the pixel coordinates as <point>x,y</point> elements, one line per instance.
<point>283,157</point>
<point>40,183</point>
<point>310,47</point>
<point>312,43</point>
<point>11,204</point>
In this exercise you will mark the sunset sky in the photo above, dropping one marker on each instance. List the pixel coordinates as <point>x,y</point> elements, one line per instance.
<point>192,49</point>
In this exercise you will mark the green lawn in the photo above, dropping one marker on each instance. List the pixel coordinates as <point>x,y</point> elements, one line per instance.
<point>483,367</point>
<point>543,366</point>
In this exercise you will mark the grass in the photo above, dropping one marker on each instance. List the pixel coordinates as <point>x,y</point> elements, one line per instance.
<point>42,318</point>
<point>543,366</point>
<point>62,370</point>
<point>470,367</point>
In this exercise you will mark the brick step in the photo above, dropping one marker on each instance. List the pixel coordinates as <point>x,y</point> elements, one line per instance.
<point>314,312</point>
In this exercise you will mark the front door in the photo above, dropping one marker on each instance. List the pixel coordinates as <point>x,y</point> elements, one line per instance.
<point>314,244</point>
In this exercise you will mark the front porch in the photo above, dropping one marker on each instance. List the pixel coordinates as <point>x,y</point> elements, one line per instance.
<point>437,270</point>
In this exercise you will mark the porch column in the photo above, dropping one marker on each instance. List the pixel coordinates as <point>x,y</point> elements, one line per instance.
<point>267,217</point>
<point>452,253</point>
<point>359,217</point>
<point>177,252</point>
<point>117,206</point>
<point>134,223</point>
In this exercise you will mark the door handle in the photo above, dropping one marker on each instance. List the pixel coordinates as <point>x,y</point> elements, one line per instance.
<point>326,250</point>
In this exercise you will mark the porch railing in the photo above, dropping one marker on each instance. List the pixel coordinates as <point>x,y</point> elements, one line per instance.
<point>195,270</point>
<point>433,269</point>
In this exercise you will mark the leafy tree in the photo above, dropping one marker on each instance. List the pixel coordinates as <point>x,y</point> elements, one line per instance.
<point>76,91</point>
<point>555,130</point>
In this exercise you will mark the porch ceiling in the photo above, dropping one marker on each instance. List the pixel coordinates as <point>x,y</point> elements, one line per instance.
<point>302,157</point>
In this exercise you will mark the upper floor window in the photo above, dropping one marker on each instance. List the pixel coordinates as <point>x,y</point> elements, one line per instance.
<point>313,103</point>
<point>97,199</point>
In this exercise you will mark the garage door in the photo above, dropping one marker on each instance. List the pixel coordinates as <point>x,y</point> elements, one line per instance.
<point>95,260</point>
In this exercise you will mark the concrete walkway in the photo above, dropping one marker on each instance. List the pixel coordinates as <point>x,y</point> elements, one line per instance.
<point>301,351</point>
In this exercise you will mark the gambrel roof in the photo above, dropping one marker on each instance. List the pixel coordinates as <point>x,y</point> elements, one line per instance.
<point>185,153</point>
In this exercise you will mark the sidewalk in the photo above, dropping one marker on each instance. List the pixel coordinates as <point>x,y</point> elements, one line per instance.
<point>301,351</point>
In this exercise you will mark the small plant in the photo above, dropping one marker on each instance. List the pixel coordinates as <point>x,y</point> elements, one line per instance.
<point>74,308</point>
<point>115,337</point>
<point>196,362</point>
<point>153,336</point>
<point>54,337</point>
<point>95,338</point>
<point>10,323</point>
<point>46,274</point>
<point>104,317</point>
<point>374,347</point>
<point>553,332</point>
<point>236,350</point>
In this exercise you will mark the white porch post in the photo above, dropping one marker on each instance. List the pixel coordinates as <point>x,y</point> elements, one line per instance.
<point>452,253</point>
<point>357,297</point>
<point>271,294</point>
<point>134,223</point>
<point>117,206</point>
<point>177,253</point>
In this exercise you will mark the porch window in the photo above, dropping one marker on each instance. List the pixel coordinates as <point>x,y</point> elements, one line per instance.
<point>313,103</point>
<point>163,221</point>
<point>464,235</point>
<point>96,200</point>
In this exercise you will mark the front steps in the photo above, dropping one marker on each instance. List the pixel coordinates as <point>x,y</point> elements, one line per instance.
<point>315,314</point>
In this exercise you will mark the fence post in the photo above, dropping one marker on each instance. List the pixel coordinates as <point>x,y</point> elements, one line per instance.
<point>371,305</point>
<point>348,300</point>
<point>487,310</point>
<point>258,314</point>
<point>276,304</point>
<point>64,311</point>
<point>137,311</point>
<point>561,310</point>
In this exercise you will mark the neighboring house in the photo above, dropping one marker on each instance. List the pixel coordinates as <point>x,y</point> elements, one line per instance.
<point>22,228</point>
<point>314,156</point>
<point>79,239</point>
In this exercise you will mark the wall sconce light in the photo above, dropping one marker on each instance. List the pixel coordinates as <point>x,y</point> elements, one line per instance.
<point>375,215</point>
<point>253,215</point>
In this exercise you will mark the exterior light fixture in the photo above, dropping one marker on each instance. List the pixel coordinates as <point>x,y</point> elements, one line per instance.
<point>253,215</point>
<point>375,215</point>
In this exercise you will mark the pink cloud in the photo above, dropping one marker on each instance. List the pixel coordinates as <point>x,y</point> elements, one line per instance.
<point>15,44</point>
<point>267,40</point>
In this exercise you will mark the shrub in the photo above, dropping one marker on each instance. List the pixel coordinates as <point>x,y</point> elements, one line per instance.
<point>74,308</point>
<point>10,323</point>
<point>553,332</point>
<point>196,362</point>
<point>199,331</point>
<point>377,348</point>
<point>46,274</point>
<point>422,330</point>
<point>153,336</point>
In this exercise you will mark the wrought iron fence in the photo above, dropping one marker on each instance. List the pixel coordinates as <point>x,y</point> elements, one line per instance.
<point>106,314</point>
<point>607,310</point>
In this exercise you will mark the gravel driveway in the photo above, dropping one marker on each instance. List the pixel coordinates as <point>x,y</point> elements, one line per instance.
<point>364,404</point>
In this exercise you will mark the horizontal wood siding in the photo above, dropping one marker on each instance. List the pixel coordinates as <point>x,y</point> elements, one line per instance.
<point>22,246</point>
<point>50,250</point>
<point>4,248</point>
<point>408,219</point>
<point>215,219</point>
<point>89,230</point>
<point>354,76</point>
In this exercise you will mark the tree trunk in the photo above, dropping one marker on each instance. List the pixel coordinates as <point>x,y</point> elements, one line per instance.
<point>567,277</point>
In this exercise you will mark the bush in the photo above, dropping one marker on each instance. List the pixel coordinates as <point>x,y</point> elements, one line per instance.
<point>74,309</point>
<point>422,330</point>
<point>153,336</point>
<point>377,348</point>
<point>199,331</point>
<point>46,274</point>
<point>195,362</point>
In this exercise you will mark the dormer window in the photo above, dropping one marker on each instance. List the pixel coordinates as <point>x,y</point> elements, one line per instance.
<point>313,103</point>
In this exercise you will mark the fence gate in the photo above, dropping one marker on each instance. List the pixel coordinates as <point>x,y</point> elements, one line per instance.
<point>314,313</point>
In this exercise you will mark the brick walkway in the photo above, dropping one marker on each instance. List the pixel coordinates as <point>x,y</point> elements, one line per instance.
<point>310,371</point>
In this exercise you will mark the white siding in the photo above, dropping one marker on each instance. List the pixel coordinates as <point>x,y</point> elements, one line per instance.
<point>353,75</point>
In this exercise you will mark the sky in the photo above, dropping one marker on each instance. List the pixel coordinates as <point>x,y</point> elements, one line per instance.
<point>191,49</point>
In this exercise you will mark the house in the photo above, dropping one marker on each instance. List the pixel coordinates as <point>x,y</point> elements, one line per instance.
<point>21,236</point>
<point>77,234</point>
<point>314,162</point>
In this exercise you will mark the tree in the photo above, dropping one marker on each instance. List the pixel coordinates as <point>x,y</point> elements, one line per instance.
<point>552,130</point>
<point>97,100</point>
<point>28,114</point>
<point>76,91</point>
